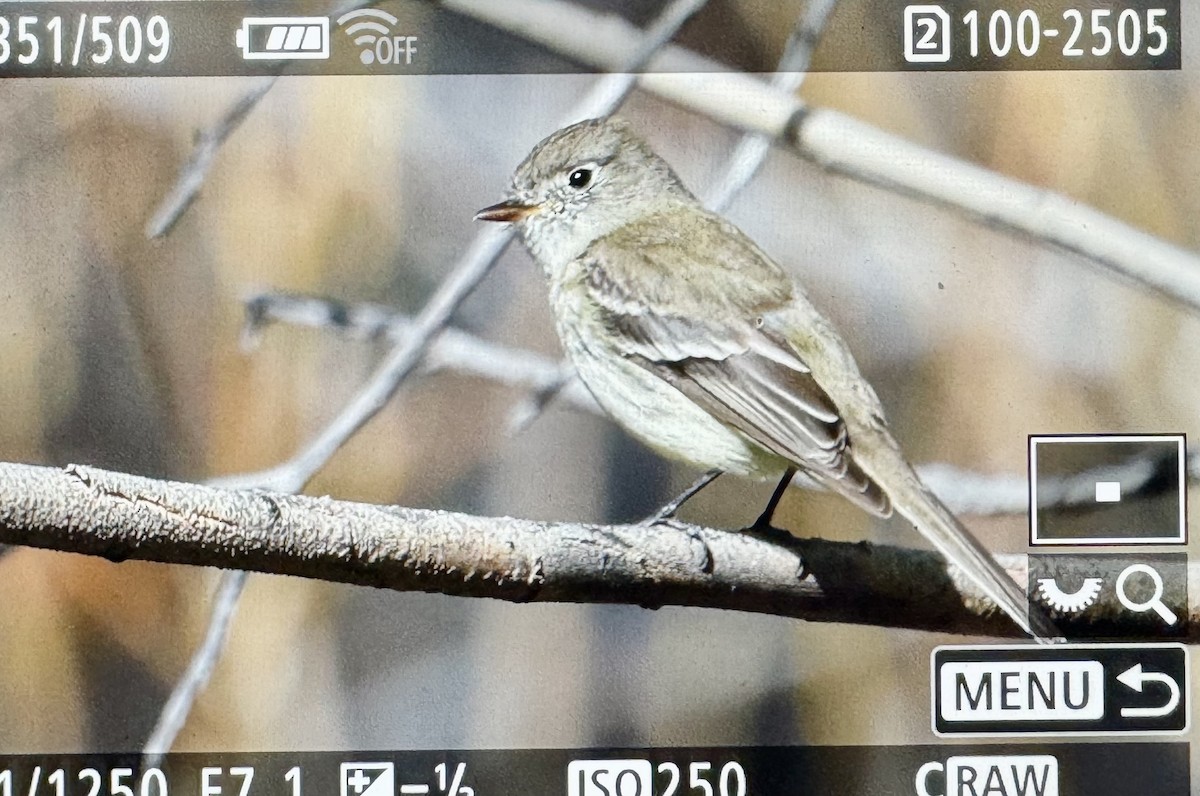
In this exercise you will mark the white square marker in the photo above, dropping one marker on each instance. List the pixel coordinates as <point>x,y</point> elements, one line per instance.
<point>1108,491</point>
<point>1059,462</point>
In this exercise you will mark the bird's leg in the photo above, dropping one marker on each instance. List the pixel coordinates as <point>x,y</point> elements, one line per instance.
<point>763,523</point>
<point>668,511</point>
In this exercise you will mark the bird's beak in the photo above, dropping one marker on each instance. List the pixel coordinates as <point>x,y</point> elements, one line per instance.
<point>508,211</point>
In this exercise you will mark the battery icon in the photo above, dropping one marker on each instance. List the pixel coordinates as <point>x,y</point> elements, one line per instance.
<point>283,38</point>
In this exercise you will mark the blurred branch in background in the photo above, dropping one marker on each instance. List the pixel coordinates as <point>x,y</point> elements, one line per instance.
<point>453,350</point>
<point>195,171</point>
<point>604,97</point>
<point>208,142</point>
<point>847,146</point>
<point>965,492</point>
<point>120,517</point>
<point>748,156</point>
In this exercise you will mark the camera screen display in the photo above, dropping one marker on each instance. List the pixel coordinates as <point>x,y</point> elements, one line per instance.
<point>597,398</point>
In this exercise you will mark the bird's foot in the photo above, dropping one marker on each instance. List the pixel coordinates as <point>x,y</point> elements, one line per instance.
<point>762,525</point>
<point>667,512</point>
<point>763,529</point>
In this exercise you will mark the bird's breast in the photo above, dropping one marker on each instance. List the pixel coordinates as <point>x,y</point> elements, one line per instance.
<point>643,404</point>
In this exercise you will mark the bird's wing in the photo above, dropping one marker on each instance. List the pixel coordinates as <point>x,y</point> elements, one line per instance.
<point>704,324</point>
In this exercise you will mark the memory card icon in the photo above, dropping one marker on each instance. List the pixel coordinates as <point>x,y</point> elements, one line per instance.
<point>283,38</point>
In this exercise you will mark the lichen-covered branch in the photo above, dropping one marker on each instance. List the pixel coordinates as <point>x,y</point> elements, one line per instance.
<point>118,516</point>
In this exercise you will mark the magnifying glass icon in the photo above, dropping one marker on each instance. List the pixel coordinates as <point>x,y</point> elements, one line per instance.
<point>1155,602</point>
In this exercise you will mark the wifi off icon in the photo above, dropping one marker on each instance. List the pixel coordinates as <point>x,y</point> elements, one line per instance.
<point>372,30</point>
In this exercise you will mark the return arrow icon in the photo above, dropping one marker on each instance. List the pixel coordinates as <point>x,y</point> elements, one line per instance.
<point>1135,678</point>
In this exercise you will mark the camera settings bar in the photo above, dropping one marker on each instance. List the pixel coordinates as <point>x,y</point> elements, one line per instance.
<point>970,35</point>
<point>1045,769</point>
<point>174,38</point>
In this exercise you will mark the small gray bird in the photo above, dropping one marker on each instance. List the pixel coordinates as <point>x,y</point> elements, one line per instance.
<point>699,345</point>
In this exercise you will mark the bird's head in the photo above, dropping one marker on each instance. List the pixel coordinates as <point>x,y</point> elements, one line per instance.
<point>583,182</point>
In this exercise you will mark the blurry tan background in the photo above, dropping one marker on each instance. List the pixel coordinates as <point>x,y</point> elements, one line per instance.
<point>123,353</point>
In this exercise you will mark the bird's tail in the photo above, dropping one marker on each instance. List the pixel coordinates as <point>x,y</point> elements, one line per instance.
<point>918,505</point>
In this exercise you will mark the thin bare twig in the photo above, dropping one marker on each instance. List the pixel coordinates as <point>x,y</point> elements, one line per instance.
<point>200,667</point>
<point>208,142</point>
<point>291,476</point>
<point>751,150</point>
<point>453,350</point>
<point>192,175</point>
<point>526,412</point>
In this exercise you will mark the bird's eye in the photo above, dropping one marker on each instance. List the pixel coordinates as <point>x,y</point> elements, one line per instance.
<point>580,178</point>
